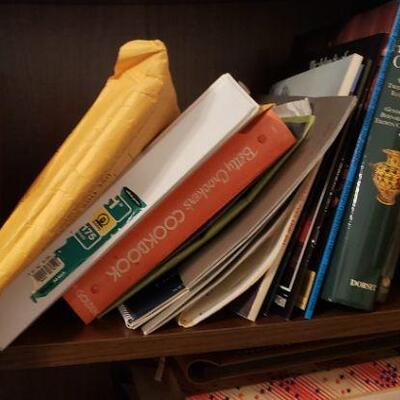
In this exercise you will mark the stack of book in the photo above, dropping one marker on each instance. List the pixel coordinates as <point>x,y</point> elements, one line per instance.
<point>234,204</point>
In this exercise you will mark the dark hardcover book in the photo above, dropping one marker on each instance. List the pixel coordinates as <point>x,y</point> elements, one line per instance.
<point>369,47</point>
<point>390,265</point>
<point>333,176</point>
<point>356,158</point>
<point>293,267</point>
<point>319,233</point>
<point>339,157</point>
<point>288,285</point>
<point>295,270</point>
<point>369,219</point>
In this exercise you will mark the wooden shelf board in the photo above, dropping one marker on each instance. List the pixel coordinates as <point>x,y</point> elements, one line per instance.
<point>59,338</point>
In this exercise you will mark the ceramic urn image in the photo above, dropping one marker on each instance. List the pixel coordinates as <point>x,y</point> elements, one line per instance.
<point>386,177</point>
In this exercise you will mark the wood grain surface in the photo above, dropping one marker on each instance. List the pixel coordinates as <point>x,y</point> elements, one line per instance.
<point>55,57</point>
<point>59,338</point>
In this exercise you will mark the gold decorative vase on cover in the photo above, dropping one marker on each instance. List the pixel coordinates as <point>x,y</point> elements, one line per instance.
<point>386,177</point>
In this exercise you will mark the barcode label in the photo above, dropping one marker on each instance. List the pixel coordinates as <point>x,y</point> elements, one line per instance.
<point>45,271</point>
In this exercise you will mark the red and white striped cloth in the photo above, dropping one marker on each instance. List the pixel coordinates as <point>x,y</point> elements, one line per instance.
<point>335,384</point>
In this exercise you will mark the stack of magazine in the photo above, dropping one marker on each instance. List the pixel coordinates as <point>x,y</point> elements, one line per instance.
<point>240,203</point>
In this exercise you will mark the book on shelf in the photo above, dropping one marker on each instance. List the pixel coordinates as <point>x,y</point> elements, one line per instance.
<point>297,271</point>
<point>287,280</point>
<point>208,189</point>
<point>261,257</point>
<point>155,173</point>
<point>298,126</point>
<point>231,210</point>
<point>293,270</point>
<point>211,261</point>
<point>368,23</point>
<point>370,215</point>
<point>371,49</point>
<point>390,264</point>
<point>353,171</point>
<point>333,79</point>
<point>154,298</point>
<point>248,305</point>
<point>236,204</point>
<point>321,216</point>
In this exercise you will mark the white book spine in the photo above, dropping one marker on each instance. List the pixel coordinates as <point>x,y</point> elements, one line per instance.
<point>222,110</point>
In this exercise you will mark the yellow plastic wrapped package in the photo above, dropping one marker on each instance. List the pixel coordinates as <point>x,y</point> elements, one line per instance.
<point>137,102</point>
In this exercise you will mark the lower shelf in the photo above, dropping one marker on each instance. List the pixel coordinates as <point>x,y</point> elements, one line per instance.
<point>59,338</point>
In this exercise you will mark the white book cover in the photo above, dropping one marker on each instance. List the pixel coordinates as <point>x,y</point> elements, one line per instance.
<point>332,79</point>
<point>216,115</point>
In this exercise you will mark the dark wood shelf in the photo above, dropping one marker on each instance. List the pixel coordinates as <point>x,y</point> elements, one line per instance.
<point>59,338</point>
<point>55,60</point>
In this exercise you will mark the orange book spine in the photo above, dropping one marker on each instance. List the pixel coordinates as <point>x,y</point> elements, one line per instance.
<point>225,174</point>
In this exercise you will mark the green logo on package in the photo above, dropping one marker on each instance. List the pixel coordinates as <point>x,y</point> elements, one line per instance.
<point>104,223</point>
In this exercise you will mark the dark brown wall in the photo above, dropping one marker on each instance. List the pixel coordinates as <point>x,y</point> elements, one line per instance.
<point>55,58</point>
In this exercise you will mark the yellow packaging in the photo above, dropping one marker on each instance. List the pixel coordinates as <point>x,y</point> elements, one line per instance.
<point>137,103</point>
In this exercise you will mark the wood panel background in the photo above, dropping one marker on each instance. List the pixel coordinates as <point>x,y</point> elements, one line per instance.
<point>77,383</point>
<point>54,59</point>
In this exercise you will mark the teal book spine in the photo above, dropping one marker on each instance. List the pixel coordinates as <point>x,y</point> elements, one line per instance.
<point>351,177</point>
<point>363,243</point>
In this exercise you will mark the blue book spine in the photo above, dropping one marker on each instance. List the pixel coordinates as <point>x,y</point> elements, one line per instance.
<point>353,170</point>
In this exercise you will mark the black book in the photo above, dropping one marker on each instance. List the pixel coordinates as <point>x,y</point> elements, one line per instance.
<point>342,161</point>
<point>371,49</point>
<point>293,266</point>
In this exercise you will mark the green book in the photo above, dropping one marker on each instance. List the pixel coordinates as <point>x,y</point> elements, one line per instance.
<point>364,239</point>
<point>299,126</point>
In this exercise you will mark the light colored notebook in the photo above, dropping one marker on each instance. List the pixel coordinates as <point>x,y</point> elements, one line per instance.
<point>333,79</point>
